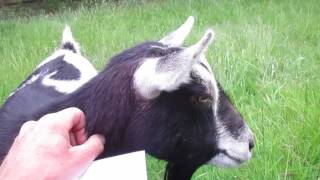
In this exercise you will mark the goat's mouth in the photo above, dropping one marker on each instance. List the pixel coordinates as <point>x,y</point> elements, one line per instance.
<point>238,160</point>
<point>227,160</point>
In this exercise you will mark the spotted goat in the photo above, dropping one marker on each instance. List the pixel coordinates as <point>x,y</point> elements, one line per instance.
<point>62,73</point>
<point>160,97</point>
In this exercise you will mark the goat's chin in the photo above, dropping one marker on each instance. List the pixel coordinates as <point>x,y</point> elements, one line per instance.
<point>227,161</point>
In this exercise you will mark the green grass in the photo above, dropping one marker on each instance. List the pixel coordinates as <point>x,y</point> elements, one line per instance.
<point>266,56</point>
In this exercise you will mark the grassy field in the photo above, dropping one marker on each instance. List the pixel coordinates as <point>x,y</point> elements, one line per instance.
<point>266,55</point>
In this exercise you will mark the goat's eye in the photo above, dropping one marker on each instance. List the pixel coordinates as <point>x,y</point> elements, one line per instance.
<point>201,99</point>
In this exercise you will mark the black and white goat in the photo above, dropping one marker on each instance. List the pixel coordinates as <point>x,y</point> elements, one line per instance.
<point>156,96</point>
<point>59,74</point>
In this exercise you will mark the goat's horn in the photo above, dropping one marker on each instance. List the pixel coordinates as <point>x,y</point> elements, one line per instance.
<point>201,46</point>
<point>177,37</point>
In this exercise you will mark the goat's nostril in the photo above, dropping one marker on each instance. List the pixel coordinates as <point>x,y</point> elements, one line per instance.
<point>251,145</point>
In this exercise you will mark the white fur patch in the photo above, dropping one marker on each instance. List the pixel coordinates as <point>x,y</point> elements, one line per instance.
<point>237,149</point>
<point>206,74</point>
<point>222,160</point>
<point>87,71</point>
<point>53,56</point>
<point>68,38</point>
<point>150,83</point>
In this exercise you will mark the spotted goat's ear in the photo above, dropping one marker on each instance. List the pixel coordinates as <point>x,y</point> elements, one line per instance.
<point>155,75</point>
<point>177,37</point>
<point>68,42</point>
<point>200,47</point>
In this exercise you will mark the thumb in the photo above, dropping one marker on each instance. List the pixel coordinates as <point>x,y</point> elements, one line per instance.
<point>90,149</point>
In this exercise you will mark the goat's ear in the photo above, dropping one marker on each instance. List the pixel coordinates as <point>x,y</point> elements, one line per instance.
<point>155,75</point>
<point>68,42</point>
<point>200,47</point>
<point>177,37</point>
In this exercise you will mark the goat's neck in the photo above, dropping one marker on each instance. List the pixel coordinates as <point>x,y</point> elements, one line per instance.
<point>106,102</point>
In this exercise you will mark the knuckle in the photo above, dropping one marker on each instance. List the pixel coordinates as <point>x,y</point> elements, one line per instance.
<point>27,126</point>
<point>74,109</point>
<point>54,141</point>
<point>49,121</point>
<point>46,117</point>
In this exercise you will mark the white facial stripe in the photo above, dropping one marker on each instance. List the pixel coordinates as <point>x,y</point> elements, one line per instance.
<point>203,69</point>
<point>204,61</point>
<point>237,149</point>
<point>87,71</point>
<point>203,72</point>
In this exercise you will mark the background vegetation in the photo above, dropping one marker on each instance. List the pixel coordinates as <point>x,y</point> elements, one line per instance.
<point>266,55</point>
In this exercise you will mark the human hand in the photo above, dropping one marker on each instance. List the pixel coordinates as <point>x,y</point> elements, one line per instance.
<point>55,147</point>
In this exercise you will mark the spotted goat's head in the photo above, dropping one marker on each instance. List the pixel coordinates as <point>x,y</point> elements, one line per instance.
<point>200,120</point>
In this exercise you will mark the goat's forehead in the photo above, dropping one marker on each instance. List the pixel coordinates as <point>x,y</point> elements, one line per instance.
<point>203,71</point>
<point>162,49</point>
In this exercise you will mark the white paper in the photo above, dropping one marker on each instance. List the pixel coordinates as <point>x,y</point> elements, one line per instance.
<point>122,167</point>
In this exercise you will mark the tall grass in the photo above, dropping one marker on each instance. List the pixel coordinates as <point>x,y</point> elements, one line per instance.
<point>266,56</point>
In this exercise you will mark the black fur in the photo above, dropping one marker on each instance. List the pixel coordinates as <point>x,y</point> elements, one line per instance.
<point>171,127</point>
<point>31,98</point>
<point>69,46</point>
<point>26,95</point>
<point>65,71</point>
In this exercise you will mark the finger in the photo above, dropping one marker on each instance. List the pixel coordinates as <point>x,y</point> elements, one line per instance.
<point>89,150</point>
<point>65,120</point>
<point>79,136</point>
<point>27,127</point>
<point>77,133</point>
<point>73,140</point>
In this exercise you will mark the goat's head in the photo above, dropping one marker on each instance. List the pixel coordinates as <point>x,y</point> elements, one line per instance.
<point>194,118</point>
